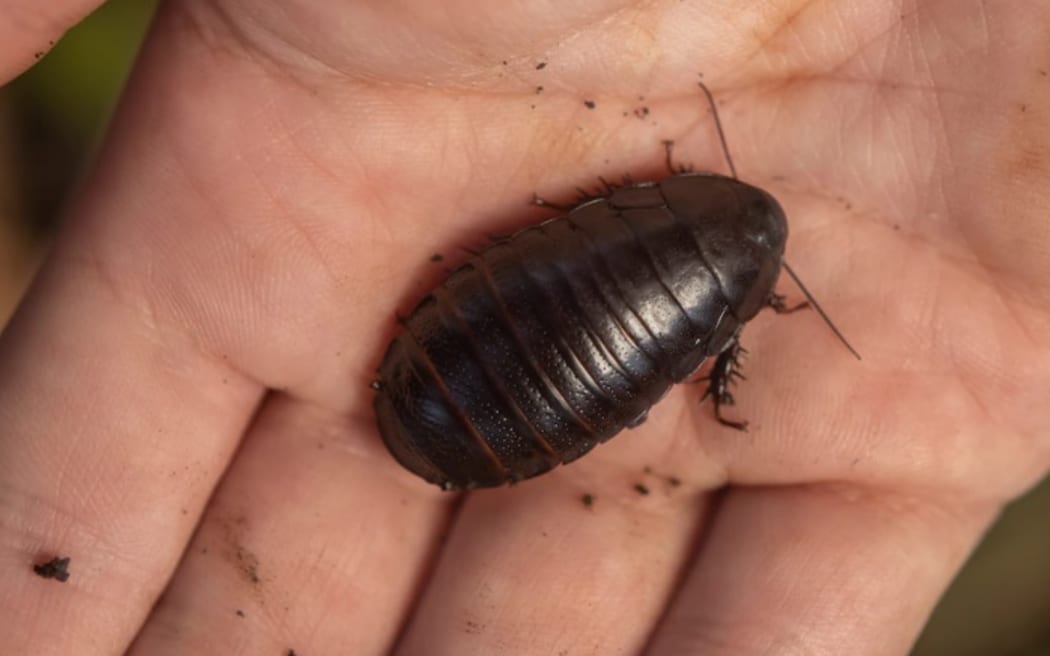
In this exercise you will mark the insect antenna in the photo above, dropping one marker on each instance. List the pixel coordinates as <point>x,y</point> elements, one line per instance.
<point>820,310</point>
<point>794,276</point>
<point>718,126</point>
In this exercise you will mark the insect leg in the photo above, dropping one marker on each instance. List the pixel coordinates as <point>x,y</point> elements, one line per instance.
<point>609,186</point>
<point>722,375</point>
<point>776,301</point>
<point>541,202</point>
<point>669,159</point>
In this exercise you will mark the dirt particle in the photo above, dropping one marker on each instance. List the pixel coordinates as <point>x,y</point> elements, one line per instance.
<point>588,500</point>
<point>1042,72</point>
<point>56,568</point>
<point>504,62</point>
<point>540,66</point>
<point>539,89</point>
<point>437,257</point>
<point>473,628</point>
<point>641,112</point>
<point>38,55</point>
<point>674,481</point>
<point>240,613</point>
<point>641,489</point>
<point>532,106</point>
<point>589,104</point>
<point>248,564</point>
<point>647,470</point>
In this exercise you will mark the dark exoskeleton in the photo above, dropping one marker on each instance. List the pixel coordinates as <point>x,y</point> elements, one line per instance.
<point>555,339</point>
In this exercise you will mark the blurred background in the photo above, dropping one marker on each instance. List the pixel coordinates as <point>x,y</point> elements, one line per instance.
<point>51,121</point>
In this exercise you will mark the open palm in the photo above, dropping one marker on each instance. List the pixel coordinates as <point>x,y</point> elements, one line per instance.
<point>185,392</point>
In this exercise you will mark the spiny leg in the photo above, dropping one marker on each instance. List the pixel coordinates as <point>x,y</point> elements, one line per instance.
<point>669,160</point>
<point>609,186</point>
<point>777,302</point>
<point>542,202</point>
<point>723,374</point>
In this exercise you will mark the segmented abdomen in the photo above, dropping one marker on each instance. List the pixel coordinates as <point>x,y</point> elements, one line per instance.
<point>550,342</point>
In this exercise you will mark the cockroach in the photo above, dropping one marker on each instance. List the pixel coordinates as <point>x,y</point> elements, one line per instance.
<point>560,336</point>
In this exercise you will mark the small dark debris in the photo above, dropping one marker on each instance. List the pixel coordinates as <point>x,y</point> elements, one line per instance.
<point>248,564</point>
<point>1024,107</point>
<point>587,499</point>
<point>1042,72</point>
<point>589,104</point>
<point>56,568</point>
<point>437,257</point>
<point>896,226</point>
<point>641,489</point>
<point>38,55</point>
<point>647,469</point>
<point>532,106</point>
<point>240,613</point>
<point>641,112</point>
<point>540,66</point>
<point>539,89</point>
<point>504,62</point>
<point>674,481</point>
<point>473,627</point>
<point>185,512</point>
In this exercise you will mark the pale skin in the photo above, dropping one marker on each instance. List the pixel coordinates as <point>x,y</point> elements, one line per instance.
<point>184,392</point>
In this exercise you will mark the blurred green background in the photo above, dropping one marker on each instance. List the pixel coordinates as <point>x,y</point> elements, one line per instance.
<point>51,120</point>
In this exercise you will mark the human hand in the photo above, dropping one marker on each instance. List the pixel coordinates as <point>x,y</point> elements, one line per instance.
<point>184,392</point>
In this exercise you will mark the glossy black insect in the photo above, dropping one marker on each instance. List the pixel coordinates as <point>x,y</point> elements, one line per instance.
<point>555,339</point>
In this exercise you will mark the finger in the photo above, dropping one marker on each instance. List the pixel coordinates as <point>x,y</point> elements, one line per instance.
<point>315,542</point>
<point>113,435</point>
<point>540,569</point>
<point>818,570</point>
<point>28,29</point>
<point>116,424</point>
